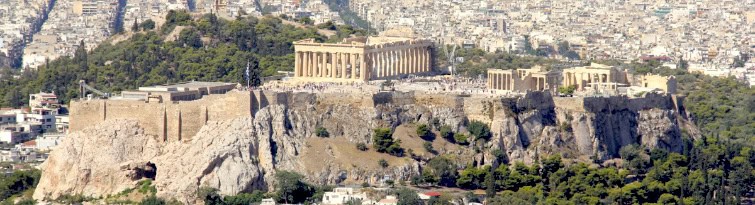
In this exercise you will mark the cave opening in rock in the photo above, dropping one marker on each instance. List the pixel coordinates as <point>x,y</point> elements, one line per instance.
<point>150,171</point>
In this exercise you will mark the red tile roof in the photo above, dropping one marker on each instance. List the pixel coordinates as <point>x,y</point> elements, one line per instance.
<point>30,143</point>
<point>432,193</point>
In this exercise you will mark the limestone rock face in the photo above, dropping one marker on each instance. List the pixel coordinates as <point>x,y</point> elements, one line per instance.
<point>244,153</point>
<point>223,155</point>
<point>112,156</point>
<point>96,161</point>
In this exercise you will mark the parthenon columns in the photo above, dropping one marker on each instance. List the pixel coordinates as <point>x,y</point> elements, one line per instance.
<point>331,65</point>
<point>361,59</point>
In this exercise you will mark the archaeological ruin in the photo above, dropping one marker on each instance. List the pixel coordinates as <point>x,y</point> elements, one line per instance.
<point>595,78</point>
<point>362,58</point>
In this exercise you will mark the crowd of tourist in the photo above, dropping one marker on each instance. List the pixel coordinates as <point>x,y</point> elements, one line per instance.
<point>436,84</point>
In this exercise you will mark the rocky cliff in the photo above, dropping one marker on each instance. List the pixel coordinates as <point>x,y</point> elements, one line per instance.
<point>243,154</point>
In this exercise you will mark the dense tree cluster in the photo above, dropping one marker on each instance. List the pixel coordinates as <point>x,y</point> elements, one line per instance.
<point>706,172</point>
<point>17,182</point>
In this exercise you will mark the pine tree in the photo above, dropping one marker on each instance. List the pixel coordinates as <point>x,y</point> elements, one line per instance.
<point>135,27</point>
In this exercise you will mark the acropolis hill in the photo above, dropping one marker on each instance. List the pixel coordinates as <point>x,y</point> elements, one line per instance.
<point>234,138</point>
<point>201,134</point>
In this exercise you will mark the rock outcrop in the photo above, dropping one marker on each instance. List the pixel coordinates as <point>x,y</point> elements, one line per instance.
<point>243,154</point>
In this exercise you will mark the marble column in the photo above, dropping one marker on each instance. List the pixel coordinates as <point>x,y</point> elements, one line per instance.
<point>389,63</point>
<point>297,60</point>
<point>311,64</point>
<point>363,67</point>
<point>324,68</point>
<point>419,60</point>
<point>315,61</point>
<point>332,67</point>
<point>342,65</point>
<point>383,64</point>
<point>428,60</point>
<point>495,80</point>
<point>507,82</point>
<point>399,62</point>
<point>375,60</point>
<point>404,62</point>
<point>504,81</point>
<point>410,59</point>
<point>305,64</point>
<point>353,66</point>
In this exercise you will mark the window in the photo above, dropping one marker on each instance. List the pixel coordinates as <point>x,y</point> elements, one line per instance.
<point>49,120</point>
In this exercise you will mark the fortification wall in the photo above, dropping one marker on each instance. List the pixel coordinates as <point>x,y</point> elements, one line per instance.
<point>179,121</point>
<point>170,121</point>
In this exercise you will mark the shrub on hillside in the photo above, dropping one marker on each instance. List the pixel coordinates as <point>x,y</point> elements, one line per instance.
<point>361,146</point>
<point>152,200</point>
<point>460,139</point>
<point>383,142</point>
<point>428,147</point>
<point>447,133</point>
<point>423,131</point>
<point>383,163</point>
<point>322,132</point>
<point>479,130</point>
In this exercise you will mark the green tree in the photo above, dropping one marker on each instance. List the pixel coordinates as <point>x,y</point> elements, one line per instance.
<point>135,27</point>
<point>479,130</point>
<point>382,141</point>
<point>189,37</point>
<point>17,182</point>
<point>528,45</point>
<point>444,170</point>
<point>447,133</point>
<point>423,131</point>
<point>244,198</point>
<point>209,195</point>
<point>682,64</point>
<point>290,188</point>
<point>408,197</point>
<point>148,24</point>
<point>428,177</point>
<point>489,183</point>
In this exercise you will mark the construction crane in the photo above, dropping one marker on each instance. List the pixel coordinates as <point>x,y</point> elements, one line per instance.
<point>451,59</point>
<point>83,88</point>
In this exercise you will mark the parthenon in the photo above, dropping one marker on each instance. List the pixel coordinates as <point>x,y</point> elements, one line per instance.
<point>362,58</point>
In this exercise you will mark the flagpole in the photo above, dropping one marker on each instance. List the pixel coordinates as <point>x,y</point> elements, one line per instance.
<point>247,75</point>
